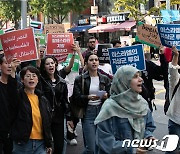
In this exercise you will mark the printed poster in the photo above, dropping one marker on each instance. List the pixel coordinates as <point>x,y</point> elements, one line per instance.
<point>20,44</point>
<point>75,67</point>
<point>102,52</point>
<point>129,55</point>
<point>169,35</point>
<point>59,43</point>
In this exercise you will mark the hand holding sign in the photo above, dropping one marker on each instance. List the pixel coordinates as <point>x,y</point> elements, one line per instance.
<point>20,44</point>
<point>14,64</point>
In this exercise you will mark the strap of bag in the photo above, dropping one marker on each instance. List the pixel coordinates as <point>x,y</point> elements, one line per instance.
<point>175,89</point>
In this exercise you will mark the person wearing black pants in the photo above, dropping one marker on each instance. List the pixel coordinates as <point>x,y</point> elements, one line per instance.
<point>5,139</point>
<point>55,89</point>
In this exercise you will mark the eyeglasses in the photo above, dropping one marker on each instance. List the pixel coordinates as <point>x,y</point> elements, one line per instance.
<point>30,76</point>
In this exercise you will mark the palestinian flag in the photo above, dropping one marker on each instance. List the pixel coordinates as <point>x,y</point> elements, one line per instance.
<point>36,25</point>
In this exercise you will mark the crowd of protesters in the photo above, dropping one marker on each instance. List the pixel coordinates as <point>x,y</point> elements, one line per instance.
<point>35,100</point>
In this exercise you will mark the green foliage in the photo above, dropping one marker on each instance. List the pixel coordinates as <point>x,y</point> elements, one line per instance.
<point>57,9</point>
<point>10,11</point>
<point>133,7</point>
<point>130,5</point>
<point>156,10</point>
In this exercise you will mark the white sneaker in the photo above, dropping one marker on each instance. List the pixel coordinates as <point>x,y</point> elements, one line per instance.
<point>75,133</point>
<point>73,142</point>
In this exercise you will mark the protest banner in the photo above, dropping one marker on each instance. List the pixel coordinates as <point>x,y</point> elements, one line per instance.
<point>1,32</point>
<point>42,38</point>
<point>20,44</point>
<point>129,55</point>
<point>61,58</point>
<point>170,15</point>
<point>54,28</point>
<point>169,35</point>
<point>148,35</point>
<point>102,52</point>
<point>75,67</point>
<point>59,43</point>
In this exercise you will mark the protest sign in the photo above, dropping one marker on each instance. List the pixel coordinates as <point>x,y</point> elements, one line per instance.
<point>20,44</point>
<point>61,58</point>
<point>1,32</point>
<point>102,52</point>
<point>54,28</point>
<point>130,55</point>
<point>59,43</point>
<point>169,34</point>
<point>42,38</point>
<point>148,34</point>
<point>75,67</point>
<point>170,15</point>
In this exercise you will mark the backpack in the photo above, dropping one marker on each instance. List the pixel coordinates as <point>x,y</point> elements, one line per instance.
<point>167,100</point>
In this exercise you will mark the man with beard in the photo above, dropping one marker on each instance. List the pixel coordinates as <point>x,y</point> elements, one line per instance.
<point>91,45</point>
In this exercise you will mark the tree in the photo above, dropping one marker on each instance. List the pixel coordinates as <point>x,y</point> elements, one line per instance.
<point>57,10</point>
<point>10,11</point>
<point>132,6</point>
<point>156,10</point>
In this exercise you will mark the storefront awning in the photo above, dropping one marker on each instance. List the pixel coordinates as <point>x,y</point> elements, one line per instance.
<point>127,25</point>
<point>80,28</point>
<point>102,28</point>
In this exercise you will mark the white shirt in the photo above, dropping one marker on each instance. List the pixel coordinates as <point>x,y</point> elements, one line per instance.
<point>106,68</point>
<point>94,88</point>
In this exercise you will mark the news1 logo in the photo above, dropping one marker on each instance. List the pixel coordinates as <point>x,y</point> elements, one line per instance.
<point>168,143</point>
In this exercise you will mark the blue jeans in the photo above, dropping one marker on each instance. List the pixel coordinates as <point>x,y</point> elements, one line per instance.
<point>174,129</point>
<point>89,129</point>
<point>31,147</point>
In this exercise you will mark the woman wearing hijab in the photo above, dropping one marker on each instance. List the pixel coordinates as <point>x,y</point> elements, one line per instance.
<point>125,115</point>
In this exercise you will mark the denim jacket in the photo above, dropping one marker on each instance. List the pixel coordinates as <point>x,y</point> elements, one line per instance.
<point>112,132</point>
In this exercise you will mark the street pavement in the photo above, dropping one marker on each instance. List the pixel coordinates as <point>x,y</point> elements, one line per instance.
<point>160,119</point>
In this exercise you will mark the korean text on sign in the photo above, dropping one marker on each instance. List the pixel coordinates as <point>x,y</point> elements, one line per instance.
<point>59,43</point>
<point>169,34</point>
<point>131,55</point>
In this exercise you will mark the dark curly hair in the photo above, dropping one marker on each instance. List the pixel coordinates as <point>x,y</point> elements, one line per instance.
<point>42,67</point>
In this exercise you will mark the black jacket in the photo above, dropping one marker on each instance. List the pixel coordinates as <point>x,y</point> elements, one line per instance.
<point>4,110</point>
<point>21,112</point>
<point>82,99</point>
<point>58,98</point>
<point>156,72</point>
<point>153,71</point>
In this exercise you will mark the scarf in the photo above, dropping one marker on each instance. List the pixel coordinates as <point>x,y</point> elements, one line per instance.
<point>124,102</point>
